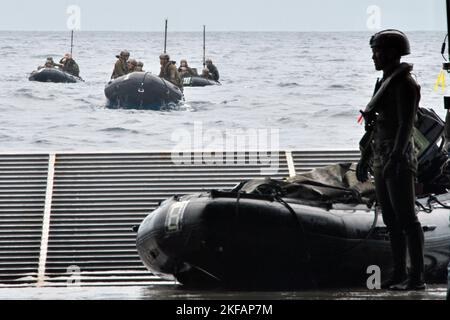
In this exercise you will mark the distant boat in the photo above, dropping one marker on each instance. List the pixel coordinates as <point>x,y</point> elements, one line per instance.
<point>197,81</point>
<point>54,75</point>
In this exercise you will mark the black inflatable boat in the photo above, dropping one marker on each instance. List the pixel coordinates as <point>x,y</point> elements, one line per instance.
<point>142,90</point>
<point>197,81</point>
<point>53,75</point>
<point>237,240</point>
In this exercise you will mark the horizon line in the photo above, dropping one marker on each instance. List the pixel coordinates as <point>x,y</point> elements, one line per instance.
<point>221,31</point>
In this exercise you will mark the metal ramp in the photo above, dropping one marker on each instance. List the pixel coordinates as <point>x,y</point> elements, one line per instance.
<point>23,181</point>
<point>67,219</point>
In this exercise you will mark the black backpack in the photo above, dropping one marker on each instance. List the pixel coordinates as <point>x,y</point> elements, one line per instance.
<point>429,145</point>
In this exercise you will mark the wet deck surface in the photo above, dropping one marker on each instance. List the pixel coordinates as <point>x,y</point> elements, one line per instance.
<point>174,292</point>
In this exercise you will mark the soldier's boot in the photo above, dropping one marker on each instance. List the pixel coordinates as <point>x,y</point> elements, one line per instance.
<point>398,247</point>
<point>416,278</point>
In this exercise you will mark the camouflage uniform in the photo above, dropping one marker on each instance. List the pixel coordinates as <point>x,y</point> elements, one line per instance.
<point>139,67</point>
<point>70,66</point>
<point>185,71</point>
<point>213,71</point>
<point>390,117</point>
<point>49,63</point>
<point>170,73</point>
<point>121,67</point>
<point>393,117</point>
<point>132,65</point>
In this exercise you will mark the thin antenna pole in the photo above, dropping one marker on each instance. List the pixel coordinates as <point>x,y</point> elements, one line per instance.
<point>448,25</point>
<point>71,44</point>
<point>165,38</point>
<point>204,46</point>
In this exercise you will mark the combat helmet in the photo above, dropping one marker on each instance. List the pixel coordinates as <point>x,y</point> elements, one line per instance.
<point>391,38</point>
<point>164,56</point>
<point>124,54</point>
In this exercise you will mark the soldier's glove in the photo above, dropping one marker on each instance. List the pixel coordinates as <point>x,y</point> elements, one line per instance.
<point>362,171</point>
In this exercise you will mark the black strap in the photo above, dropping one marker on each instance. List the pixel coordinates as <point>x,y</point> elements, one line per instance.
<point>433,198</point>
<point>303,238</point>
<point>404,68</point>
<point>428,208</point>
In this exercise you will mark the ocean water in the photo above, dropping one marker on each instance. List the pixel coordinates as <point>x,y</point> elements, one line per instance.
<point>304,89</point>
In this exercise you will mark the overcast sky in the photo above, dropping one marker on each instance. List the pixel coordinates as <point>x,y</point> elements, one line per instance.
<point>223,15</point>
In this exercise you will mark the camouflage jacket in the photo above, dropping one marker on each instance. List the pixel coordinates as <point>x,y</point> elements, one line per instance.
<point>214,72</point>
<point>120,69</point>
<point>70,66</point>
<point>170,73</point>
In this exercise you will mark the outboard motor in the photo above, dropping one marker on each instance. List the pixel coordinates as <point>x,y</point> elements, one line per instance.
<point>446,69</point>
<point>447,123</point>
<point>428,132</point>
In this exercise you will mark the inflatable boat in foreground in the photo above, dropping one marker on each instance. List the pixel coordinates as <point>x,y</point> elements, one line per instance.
<point>239,240</point>
<point>142,90</point>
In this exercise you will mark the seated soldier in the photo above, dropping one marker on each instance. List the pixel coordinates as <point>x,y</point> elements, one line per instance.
<point>132,64</point>
<point>69,65</point>
<point>139,67</point>
<point>121,66</point>
<point>207,75</point>
<point>169,71</point>
<point>49,63</point>
<point>185,71</point>
<point>212,70</point>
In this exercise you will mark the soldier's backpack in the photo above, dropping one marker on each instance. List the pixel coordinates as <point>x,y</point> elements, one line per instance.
<point>429,145</point>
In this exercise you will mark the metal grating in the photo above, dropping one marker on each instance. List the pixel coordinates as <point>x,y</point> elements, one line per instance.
<point>94,200</point>
<point>23,180</point>
<point>98,198</point>
<point>308,160</point>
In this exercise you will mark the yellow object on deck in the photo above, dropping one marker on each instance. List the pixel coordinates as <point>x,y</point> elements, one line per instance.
<point>440,81</point>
